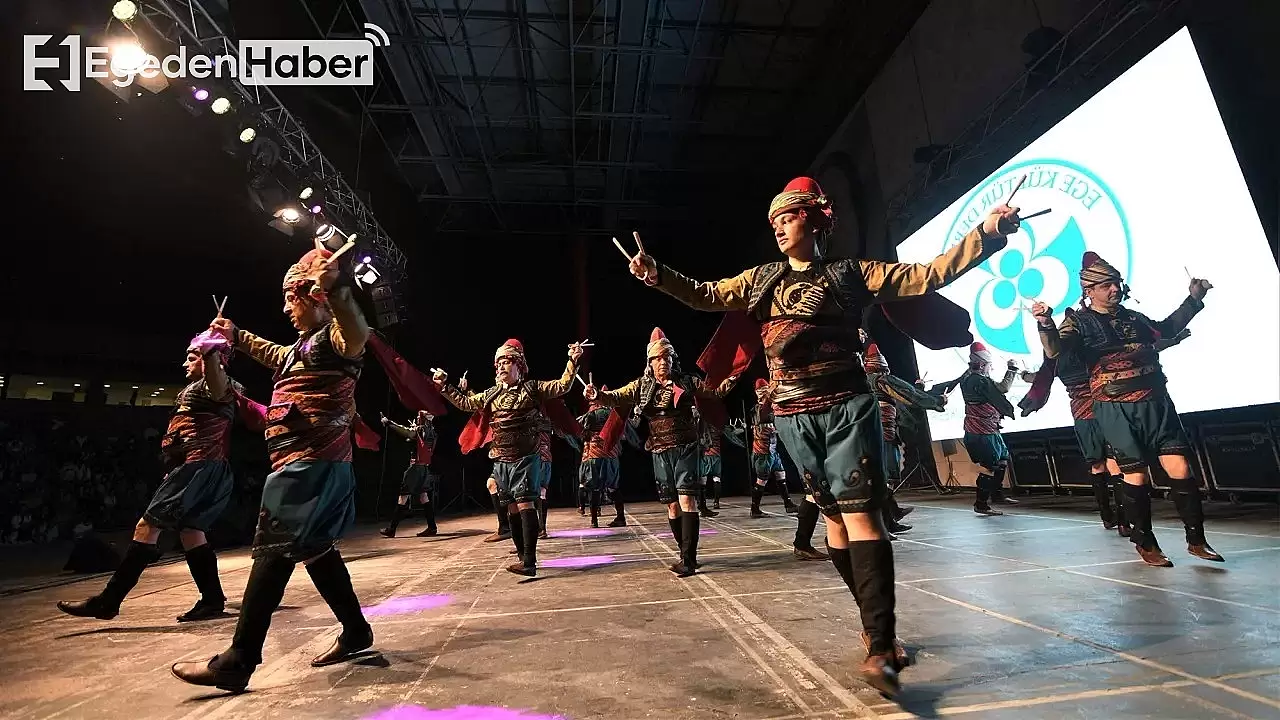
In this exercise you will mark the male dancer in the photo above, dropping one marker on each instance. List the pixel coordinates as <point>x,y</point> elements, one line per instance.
<point>765,461</point>
<point>666,395</point>
<point>891,392</point>
<point>599,471</point>
<point>194,492</point>
<point>308,500</point>
<point>810,308</point>
<point>1131,403</point>
<point>711,467</point>
<point>511,411</point>
<point>417,479</point>
<point>984,404</point>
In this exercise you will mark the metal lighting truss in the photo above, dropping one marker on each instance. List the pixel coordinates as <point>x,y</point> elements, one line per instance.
<point>551,116</point>
<point>188,22</point>
<point>1081,57</point>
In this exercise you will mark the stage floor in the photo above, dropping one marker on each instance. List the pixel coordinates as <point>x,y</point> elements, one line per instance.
<point>1037,614</point>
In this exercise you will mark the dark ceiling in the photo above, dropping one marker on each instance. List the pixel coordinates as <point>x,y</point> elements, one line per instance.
<point>558,116</point>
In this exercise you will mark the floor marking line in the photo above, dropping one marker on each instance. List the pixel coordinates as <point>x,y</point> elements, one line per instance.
<point>795,697</point>
<point>1167,528</point>
<point>1104,578</point>
<point>291,656</point>
<point>1153,664</point>
<point>1206,704</point>
<point>838,691</point>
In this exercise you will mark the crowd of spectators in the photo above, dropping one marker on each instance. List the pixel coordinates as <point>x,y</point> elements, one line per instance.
<point>67,469</point>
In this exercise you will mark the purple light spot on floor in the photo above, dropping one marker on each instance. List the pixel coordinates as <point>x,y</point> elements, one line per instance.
<point>416,603</point>
<point>703,531</point>
<point>578,561</point>
<point>462,712</point>
<point>584,532</point>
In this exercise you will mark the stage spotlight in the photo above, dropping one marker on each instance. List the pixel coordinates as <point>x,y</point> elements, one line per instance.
<point>247,135</point>
<point>127,58</point>
<point>325,231</point>
<point>306,193</point>
<point>316,209</point>
<point>200,94</point>
<point>124,11</point>
<point>366,274</point>
<point>284,219</point>
<point>220,106</point>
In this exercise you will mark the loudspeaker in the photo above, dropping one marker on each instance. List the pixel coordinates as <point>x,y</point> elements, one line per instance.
<point>1030,465</point>
<point>1070,468</point>
<point>1241,457</point>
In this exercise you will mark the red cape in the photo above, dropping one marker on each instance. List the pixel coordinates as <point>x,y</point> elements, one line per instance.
<point>416,390</point>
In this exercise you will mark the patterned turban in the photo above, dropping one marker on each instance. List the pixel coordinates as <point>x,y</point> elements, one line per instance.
<point>804,193</point>
<point>979,354</point>
<point>1095,270</point>
<point>659,345</point>
<point>209,341</point>
<point>296,279</point>
<point>513,349</point>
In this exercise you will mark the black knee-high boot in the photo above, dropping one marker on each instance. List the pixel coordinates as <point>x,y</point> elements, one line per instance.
<point>106,604</point>
<point>872,562</point>
<point>702,502</point>
<point>982,503</point>
<point>595,507</point>
<point>529,529</point>
<point>807,517</point>
<point>715,493</point>
<point>785,493</point>
<point>997,487</point>
<point>843,560</point>
<point>690,523</point>
<point>677,530</point>
<point>1117,496</point>
<point>329,575</point>
<point>262,594</point>
<point>203,563</point>
<point>230,669</point>
<point>1186,498</point>
<point>429,509</point>
<point>542,517</point>
<point>757,494</point>
<point>620,520</point>
<point>1137,507</point>
<point>516,523</point>
<point>397,515</point>
<point>504,518</point>
<point>1102,496</point>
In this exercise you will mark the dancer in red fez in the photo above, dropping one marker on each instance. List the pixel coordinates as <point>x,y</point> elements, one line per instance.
<point>667,397</point>
<point>984,404</point>
<point>192,495</point>
<point>1131,403</point>
<point>765,461</point>
<point>892,392</point>
<point>308,500</point>
<point>1108,481</point>
<point>809,308</point>
<point>508,418</point>
<point>418,479</point>
<point>603,430</point>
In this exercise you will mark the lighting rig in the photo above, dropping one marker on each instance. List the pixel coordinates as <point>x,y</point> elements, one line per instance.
<point>290,180</point>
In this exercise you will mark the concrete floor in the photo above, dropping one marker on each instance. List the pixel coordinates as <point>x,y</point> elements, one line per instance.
<point>1037,614</point>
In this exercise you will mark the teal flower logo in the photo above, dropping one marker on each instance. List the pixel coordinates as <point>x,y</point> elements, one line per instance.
<point>1022,273</point>
<point>1041,261</point>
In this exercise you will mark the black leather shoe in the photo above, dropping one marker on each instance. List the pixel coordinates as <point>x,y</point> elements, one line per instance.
<point>94,607</point>
<point>429,532</point>
<point>231,679</point>
<point>343,648</point>
<point>204,611</point>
